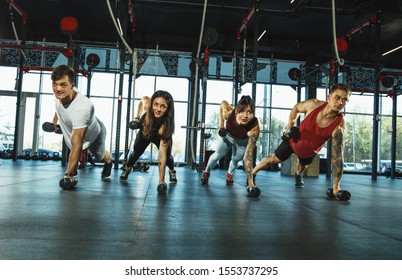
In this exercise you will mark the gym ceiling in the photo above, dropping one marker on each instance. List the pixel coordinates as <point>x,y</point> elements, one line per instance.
<point>300,30</point>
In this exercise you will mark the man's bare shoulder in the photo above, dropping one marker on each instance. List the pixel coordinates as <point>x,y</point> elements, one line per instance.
<point>311,104</point>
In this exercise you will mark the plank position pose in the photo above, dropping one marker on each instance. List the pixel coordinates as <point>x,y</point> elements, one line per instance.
<point>155,121</point>
<point>323,120</point>
<point>240,134</point>
<point>80,127</point>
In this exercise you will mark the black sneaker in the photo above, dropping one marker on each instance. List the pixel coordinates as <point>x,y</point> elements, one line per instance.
<point>125,173</point>
<point>172,176</point>
<point>299,181</point>
<point>107,170</point>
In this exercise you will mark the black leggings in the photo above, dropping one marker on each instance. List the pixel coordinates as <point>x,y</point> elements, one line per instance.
<point>141,143</point>
<point>284,151</point>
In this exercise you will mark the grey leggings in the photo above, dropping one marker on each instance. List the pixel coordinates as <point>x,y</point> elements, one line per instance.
<point>97,148</point>
<point>223,146</point>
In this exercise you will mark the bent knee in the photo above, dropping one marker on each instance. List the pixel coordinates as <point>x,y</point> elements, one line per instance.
<point>275,159</point>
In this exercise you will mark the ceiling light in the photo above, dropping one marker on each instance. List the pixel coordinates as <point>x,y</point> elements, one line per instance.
<point>291,1</point>
<point>388,52</point>
<point>261,35</point>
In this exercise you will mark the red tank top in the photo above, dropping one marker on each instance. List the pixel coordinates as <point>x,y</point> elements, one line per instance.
<point>313,137</point>
<point>236,130</point>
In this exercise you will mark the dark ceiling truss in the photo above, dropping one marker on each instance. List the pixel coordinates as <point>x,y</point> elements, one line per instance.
<point>297,31</point>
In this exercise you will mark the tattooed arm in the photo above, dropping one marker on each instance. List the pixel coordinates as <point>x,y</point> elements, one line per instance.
<point>249,154</point>
<point>337,157</point>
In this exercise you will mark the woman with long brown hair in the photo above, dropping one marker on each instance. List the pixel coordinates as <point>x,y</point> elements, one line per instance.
<point>156,126</point>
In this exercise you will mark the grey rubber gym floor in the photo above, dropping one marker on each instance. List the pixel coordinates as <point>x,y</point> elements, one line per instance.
<point>130,221</point>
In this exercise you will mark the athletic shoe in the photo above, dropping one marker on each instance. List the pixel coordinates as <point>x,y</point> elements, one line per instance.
<point>125,173</point>
<point>204,179</point>
<point>299,181</point>
<point>229,179</point>
<point>107,170</point>
<point>172,176</point>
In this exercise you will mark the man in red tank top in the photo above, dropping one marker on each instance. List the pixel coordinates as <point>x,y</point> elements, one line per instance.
<point>323,120</point>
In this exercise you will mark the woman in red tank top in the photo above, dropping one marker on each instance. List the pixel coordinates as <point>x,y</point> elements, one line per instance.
<point>239,134</point>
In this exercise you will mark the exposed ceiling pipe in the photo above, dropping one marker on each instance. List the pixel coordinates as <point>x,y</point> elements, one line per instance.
<point>187,3</point>
<point>50,69</point>
<point>260,10</point>
<point>35,48</point>
<point>23,15</point>
<point>19,10</point>
<point>361,25</point>
<point>246,20</point>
